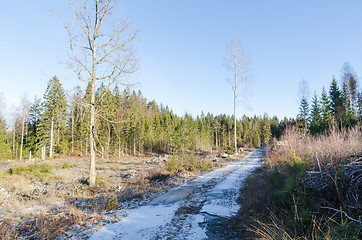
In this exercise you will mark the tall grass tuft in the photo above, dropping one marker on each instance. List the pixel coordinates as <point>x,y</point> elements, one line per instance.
<point>330,148</point>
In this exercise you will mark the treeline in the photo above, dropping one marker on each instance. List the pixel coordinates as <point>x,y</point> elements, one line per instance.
<point>341,106</point>
<point>126,123</point>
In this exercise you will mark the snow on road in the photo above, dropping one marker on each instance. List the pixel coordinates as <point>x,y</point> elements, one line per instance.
<point>184,212</point>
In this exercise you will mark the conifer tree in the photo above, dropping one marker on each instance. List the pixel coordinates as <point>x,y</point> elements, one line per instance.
<point>4,137</point>
<point>304,113</point>
<point>33,126</point>
<point>76,109</point>
<point>53,117</point>
<point>315,115</point>
<point>325,109</point>
<point>266,129</point>
<point>337,107</point>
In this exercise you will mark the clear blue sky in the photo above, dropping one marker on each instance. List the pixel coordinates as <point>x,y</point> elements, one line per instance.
<point>181,48</point>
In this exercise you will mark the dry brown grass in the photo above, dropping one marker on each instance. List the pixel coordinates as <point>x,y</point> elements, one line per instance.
<point>330,149</point>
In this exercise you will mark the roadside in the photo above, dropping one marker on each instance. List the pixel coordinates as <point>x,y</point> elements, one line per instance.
<point>309,188</point>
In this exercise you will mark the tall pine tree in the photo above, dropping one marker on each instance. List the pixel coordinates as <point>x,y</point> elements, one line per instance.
<point>337,107</point>
<point>53,118</point>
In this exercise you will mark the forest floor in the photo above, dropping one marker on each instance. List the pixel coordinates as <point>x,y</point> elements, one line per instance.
<point>51,198</point>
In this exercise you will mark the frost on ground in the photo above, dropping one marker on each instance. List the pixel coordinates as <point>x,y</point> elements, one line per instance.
<point>185,211</point>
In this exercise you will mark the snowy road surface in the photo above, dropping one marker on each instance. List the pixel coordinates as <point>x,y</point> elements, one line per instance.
<point>184,211</point>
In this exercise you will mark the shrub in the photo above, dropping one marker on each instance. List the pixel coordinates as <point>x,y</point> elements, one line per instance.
<point>34,169</point>
<point>66,166</point>
<point>112,203</point>
<point>174,164</point>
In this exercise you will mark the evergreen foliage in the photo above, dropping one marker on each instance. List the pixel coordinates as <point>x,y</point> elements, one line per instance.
<point>127,123</point>
<point>53,118</point>
<point>304,114</point>
<point>4,140</point>
<point>315,115</point>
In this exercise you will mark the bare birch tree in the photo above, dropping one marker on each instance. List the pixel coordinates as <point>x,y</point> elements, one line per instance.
<point>100,50</point>
<point>237,62</point>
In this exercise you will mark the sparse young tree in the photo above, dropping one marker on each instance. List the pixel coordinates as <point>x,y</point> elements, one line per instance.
<point>237,62</point>
<point>100,50</point>
<point>304,106</point>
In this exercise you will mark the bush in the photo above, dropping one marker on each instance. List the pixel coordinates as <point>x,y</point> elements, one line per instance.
<point>230,150</point>
<point>34,169</point>
<point>66,166</point>
<point>112,203</point>
<point>174,164</point>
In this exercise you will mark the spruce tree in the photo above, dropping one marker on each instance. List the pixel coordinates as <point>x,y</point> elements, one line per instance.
<point>266,129</point>
<point>33,126</point>
<point>304,113</point>
<point>53,118</point>
<point>4,140</point>
<point>337,107</point>
<point>315,115</point>
<point>326,114</point>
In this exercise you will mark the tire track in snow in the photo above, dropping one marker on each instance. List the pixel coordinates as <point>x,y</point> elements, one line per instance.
<point>184,211</point>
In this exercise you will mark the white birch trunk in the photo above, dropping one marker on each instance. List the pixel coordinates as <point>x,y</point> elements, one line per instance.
<point>22,138</point>
<point>14,140</point>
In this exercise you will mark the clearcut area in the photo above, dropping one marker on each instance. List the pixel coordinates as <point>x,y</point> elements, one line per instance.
<point>187,211</point>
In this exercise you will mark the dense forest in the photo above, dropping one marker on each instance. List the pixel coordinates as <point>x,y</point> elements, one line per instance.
<point>127,123</point>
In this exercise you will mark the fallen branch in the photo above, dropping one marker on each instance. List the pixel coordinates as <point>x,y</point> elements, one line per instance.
<point>355,220</point>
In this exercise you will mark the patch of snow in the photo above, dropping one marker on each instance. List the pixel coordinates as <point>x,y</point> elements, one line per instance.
<point>221,200</point>
<point>140,223</point>
<point>197,231</point>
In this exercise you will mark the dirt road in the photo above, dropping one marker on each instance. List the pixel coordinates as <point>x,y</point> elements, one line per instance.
<point>187,211</point>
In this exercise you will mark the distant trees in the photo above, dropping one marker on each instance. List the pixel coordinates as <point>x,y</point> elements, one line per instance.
<point>101,51</point>
<point>127,123</point>
<point>237,62</point>
<point>340,106</point>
